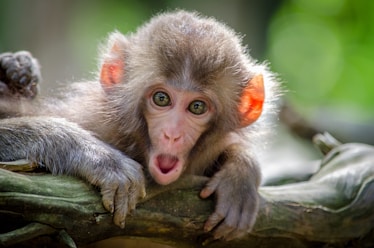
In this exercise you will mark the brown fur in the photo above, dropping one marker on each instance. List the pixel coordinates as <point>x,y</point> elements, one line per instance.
<point>187,52</point>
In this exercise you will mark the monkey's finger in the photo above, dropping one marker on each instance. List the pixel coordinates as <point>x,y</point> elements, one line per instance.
<point>223,231</point>
<point>242,219</point>
<point>108,197</point>
<point>213,220</point>
<point>210,188</point>
<point>136,193</point>
<point>121,206</point>
<point>229,227</point>
<point>206,192</point>
<point>139,187</point>
<point>143,192</point>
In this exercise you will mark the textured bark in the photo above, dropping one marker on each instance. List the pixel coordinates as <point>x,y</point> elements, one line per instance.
<point>334,207</point>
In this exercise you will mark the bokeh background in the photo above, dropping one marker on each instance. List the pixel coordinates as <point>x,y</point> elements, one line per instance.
<point>322,50</point>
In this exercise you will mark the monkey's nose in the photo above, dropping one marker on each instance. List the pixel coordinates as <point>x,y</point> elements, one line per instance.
<point>172,138</point>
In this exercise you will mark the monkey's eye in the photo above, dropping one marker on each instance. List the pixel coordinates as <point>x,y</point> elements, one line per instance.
<point>197,107</point>
<point>161,99</point>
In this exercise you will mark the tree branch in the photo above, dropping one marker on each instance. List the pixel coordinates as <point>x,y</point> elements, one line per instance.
<point>334,206</point>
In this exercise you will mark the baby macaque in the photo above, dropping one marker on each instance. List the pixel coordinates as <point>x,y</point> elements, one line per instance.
<point>179,96</point>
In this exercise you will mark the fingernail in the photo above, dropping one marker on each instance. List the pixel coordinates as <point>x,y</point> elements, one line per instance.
<point>111,208</point>
<point>202,193</point>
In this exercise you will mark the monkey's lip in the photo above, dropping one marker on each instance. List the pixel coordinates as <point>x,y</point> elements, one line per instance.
<point>166,162</point>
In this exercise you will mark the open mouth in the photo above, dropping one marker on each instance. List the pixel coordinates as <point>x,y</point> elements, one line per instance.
<point>166,163</point>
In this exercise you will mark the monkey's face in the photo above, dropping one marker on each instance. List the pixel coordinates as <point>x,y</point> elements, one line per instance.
<point>175,119</point>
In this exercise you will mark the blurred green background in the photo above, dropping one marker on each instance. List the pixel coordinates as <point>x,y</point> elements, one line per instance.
<point>323,50</point>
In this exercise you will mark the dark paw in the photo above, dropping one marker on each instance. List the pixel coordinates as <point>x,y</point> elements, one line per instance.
<point>19,75</point>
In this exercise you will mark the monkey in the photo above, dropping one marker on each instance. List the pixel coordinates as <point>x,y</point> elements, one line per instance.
<point>180,95</point>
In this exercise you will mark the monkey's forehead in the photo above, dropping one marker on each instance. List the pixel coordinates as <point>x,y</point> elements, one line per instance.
<point>186,40</point>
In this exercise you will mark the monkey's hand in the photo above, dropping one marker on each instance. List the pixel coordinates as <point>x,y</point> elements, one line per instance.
<point>121,188</point>
<point>19,75</point>
<point>65,148</point>
<point>235,187</point>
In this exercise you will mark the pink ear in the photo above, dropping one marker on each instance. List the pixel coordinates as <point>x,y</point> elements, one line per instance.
<point>112,73</point>
<point>251,101</point>
<point>113,67</point>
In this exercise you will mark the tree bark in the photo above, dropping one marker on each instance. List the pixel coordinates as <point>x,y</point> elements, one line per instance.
<point>334,207</point>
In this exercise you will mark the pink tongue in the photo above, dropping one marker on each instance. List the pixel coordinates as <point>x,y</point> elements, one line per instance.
<point>166,162</point>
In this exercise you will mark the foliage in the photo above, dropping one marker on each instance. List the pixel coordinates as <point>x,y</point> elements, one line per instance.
<point>324,52</point>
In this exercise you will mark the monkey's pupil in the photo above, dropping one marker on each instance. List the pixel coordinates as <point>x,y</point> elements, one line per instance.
<point>197,107</point>
<point>161,99</point>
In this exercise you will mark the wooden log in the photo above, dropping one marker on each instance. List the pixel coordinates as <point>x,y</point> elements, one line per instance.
<point>334,207</point>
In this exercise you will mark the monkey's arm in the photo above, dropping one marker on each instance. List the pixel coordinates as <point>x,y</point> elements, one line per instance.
<point>235,186</point>
<point>65,148</point>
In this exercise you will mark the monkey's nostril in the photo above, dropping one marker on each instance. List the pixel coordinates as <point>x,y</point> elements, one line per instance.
<point>172,138</point>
